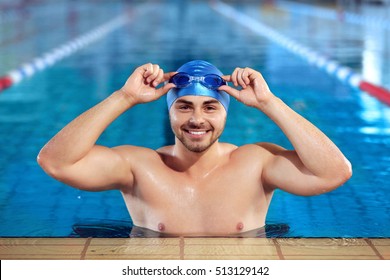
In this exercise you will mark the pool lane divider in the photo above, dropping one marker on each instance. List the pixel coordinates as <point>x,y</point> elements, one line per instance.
<point>331,14</point>
<point>332,67</point>
<point>50,58</point>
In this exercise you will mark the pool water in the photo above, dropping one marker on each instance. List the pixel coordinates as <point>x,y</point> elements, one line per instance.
<point>171,33</point>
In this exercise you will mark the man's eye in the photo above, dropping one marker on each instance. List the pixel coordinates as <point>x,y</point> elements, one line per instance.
<point>210,108</point>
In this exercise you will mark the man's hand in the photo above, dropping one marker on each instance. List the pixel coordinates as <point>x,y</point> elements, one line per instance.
<point>140,87</point>
<point>254,90</point>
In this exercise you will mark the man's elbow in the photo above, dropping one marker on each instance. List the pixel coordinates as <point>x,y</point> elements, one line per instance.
<point>346,171</point>
<point>341,175</point>
<point>47,164</point>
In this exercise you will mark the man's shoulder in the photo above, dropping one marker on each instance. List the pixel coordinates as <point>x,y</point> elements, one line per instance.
<point>135,151</point>
<point>270,147</point>
<point>228,147</point>
<point>261,146</point>
<point>165,149</point>
<point>258,149</point>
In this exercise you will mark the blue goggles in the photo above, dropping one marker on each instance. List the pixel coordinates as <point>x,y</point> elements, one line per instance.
<point>211,81</point>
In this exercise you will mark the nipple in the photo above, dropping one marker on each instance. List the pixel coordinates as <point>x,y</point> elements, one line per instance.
<point>240,226</point>
<point>161,227</point>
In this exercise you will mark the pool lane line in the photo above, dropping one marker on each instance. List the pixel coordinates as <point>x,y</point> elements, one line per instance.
<point>332,67</point>
<point>50,58</point>
<point>330,14</point>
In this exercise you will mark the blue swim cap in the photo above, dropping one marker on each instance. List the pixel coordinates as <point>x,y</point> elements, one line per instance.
<point>198,68</point>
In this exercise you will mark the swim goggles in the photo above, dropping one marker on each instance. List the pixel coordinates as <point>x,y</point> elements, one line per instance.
<point>211,81</point>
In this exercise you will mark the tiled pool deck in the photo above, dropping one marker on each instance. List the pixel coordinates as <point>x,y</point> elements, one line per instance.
<point>194,248</point>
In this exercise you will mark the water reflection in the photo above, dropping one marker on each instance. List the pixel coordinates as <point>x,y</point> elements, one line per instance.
<point>375,114</point>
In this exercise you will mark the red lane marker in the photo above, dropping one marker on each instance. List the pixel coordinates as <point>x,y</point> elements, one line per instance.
<point>5,82</point>
<point>381,93</point>
<point>333,68</point>
<point>57,54</point>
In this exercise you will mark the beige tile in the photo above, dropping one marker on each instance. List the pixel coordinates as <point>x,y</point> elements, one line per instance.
<point>332,257</point>
<point>229,250</point>
<point>228,241</point>
<point>380,241</point>
<point>41,257</point>
<point>327,250</point>
<point>133,250</point>
<point>231,257</point>
<point>135,241</point>
<point>383,250</point>
<point>321,242</point>
<point>42,241</point>
<point>131,257</point>
<point>194,248</point>
<point>41,250</point>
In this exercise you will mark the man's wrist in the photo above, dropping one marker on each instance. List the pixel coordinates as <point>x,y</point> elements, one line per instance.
<point>125,98</point>
<point>268,106</point>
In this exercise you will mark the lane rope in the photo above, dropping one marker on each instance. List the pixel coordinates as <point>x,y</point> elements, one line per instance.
<point>330,14</point>
<point>332,67</point>
<point>55,55</point>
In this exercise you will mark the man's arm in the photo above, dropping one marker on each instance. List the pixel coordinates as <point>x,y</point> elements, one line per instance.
<point>72,156</point>
<point>315,166</point>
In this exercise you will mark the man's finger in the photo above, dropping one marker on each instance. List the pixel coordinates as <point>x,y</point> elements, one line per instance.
<point>163,90</point>
<point>231,91</point>
<point>148,69</point>
<point>153,75</point>
<point>168,75</point>
<point>227,78</point>
<point>159,78</point>
<point>245,75</point>
<point>240,80</point>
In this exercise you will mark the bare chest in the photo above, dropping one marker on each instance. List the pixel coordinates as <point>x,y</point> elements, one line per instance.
<point>228,201</point>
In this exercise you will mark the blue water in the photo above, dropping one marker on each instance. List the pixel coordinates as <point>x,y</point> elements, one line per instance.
<point>170,33</point>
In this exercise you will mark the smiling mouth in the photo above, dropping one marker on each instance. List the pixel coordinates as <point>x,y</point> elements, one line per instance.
<point>196,133</point>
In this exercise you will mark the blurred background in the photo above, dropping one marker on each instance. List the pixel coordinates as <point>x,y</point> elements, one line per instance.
<point>59,58</point>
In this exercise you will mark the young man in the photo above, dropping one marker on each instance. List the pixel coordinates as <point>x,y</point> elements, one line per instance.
<point>198,186</point>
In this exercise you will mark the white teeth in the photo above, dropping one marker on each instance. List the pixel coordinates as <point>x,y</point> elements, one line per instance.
<point>197,132</point>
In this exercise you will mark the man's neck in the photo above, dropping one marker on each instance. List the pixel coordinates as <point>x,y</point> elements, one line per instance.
<point>194,163</point>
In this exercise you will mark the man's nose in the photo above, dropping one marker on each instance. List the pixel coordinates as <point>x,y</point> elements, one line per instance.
<point>197,117</point>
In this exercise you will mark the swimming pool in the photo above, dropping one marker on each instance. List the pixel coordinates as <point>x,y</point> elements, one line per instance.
<point>33,204</point>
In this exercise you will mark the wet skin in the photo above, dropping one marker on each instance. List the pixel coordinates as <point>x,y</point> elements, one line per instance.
<point>226,200</point>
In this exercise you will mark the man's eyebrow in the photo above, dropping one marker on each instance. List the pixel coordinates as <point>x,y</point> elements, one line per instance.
<point>211,101</point>
<point>207,102</point>
<point>184,102</point>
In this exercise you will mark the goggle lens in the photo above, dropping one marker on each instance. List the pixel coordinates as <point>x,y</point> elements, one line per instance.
<point>180,80</point>
<point>213,81</point>
<point>210,81</point>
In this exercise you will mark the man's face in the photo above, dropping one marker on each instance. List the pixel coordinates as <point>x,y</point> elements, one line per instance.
<point>197,121</point>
